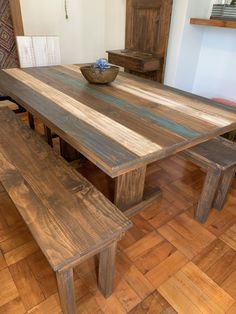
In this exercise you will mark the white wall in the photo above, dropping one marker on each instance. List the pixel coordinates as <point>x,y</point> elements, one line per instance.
<point>82,36</point>
<point>115,24</point>
<point>178,22</point>
<point>185,43</point>
<point>216,70</point>
<point>201,60</point>
<point>92,28</point>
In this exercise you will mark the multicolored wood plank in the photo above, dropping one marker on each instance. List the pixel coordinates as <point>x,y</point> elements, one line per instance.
<point>122,126</point>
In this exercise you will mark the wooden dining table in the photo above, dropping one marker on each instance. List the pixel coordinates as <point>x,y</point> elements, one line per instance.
<point>121,127</point>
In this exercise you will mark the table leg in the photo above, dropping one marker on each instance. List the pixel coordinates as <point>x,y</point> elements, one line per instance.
<point>48,135</point>
<point>67,151</point>
<point>31,121</point>
<point>129,188</point>
<point>130,196</point>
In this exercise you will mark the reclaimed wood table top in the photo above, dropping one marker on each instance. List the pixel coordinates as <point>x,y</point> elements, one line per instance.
<point>122,126</point>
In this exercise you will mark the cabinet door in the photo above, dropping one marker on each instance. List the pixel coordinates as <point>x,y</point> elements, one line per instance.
<point>147,25</point>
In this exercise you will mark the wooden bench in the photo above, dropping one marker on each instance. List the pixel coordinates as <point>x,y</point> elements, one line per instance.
<point>70,220</point>
<point>218,157</point>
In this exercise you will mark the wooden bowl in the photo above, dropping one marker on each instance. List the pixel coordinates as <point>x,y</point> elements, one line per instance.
<point>96,76</point>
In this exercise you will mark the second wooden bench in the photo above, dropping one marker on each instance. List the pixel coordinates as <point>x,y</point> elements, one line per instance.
<point>70,220</point>
<point>218,157</point>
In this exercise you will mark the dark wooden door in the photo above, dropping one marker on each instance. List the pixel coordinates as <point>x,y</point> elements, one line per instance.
<point>147,25</point>
<point>147,33</point>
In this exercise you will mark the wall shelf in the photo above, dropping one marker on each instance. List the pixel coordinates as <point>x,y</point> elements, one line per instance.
<point>216,23</point>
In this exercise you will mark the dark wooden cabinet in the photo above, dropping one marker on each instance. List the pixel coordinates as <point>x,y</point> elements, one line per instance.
<point>147,32</point>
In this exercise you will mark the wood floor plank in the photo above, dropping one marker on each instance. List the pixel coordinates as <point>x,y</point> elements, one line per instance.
<point>142,224</point>
<point>21,252</point>
<point>110,305</point>
<point>13,307</point>
<point>153,304</point>
<point>154,256</point>
<point>166,269</point>
<point>27,285</point>
<point>153,210</point>
<point>15,241</point>
<point>3,263</point>
<point>230,202</point>
<point>9,232</point>
<point>43,273</point>
<point>223,267</point>
<point>232,310</point>
<point>143,245</point>
<point>172,292</point>
<point>163,216</point>
<point>229,237</point>
<point>197,297</point>
<point>131,236</point>
<point>176,199</point>
<point>125,294</point>
<point>90,281</point>
<point>195,292</point>
<point>3,223</point>
<point>219,222</point>
<point>186,235</point>
<point>88,305</point>
<point>8,210</point>
<point>210,255</point>
<point>138,282</point>
<point>87,266</point>
<point>50,305</point>
<point>8,291</point>
<point>80,288</point>
<point>229,285</point>
<point>208,286</point>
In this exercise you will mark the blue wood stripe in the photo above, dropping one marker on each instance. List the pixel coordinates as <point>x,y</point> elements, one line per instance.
<point>111,153</point>
<point>180,92</point>
<point>122,104</point>
<point>223,107</point>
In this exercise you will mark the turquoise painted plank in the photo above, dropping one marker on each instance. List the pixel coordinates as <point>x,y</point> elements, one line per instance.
<point>209,102</point>
<point>122,104</point>
<point>224,107</point>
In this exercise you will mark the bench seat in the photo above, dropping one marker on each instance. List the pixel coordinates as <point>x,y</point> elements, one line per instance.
<point>218,157</point>
<point>68,217</point>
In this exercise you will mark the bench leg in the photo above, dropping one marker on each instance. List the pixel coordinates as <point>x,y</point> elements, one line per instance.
<point>223,188</point>
<point>48,135</point>
<point>208,193</point>
<point>65,285</point>
<point>31,121</point>
<point>107,270</point>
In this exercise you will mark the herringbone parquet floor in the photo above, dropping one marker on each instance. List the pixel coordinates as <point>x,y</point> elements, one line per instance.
<point>167,263</point>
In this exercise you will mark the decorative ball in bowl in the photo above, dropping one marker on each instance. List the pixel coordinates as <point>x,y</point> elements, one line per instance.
<point>100,72</point>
